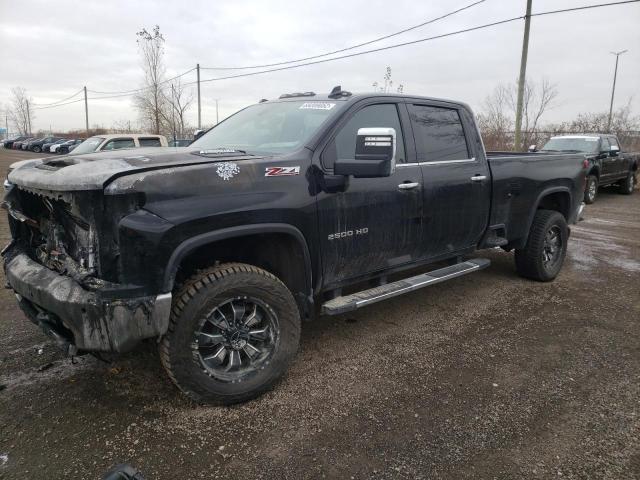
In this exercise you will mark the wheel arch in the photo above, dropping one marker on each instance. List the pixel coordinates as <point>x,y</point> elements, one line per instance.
<point>278,248</point>
<point>556,198</point>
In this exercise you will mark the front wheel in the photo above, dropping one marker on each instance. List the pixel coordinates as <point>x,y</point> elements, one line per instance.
<point>542,257</point>
<point>629,183</point>
<point>233,331</point>
<point>37,149</point>
<point>591,189</point>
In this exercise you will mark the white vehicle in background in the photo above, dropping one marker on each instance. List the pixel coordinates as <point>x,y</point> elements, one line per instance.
<point>104,143</point>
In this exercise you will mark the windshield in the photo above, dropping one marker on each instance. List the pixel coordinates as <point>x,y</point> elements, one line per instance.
<point>268,127</point>
<point>88,146</point>
<point>578,144</point>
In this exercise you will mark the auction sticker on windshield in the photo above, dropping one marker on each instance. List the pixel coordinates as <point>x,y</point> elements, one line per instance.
<point>317,106</point>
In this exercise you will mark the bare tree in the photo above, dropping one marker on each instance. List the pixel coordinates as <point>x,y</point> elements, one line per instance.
<point>21,110</point>
<point>388,83</point>
<point>180,101</point>
<point>496,120</point>
<point>151,101</point>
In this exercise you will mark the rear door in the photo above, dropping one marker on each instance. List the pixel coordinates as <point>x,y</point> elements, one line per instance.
<point>375,223</point>
<point>609,166</point>
<point>621,163</point>
<point>457,184</point>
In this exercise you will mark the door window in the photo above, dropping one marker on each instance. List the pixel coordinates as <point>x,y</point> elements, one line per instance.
<point>149,142</point>
<point>439,134</point>
<point>604,145</point>
<point>372,116</point>
<point>614,142</point>
<point>118,143</point>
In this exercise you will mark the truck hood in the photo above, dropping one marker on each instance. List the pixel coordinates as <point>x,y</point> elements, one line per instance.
<point>93,171</point>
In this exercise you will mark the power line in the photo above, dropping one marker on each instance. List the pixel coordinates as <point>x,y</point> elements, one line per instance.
<point>413,42</point>
<point>433,20</point>
<point>59,101</point>
<point>59,104</point>
<point>125,92</point>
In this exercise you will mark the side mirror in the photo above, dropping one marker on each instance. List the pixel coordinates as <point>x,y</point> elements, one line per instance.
<point>614,150</point>
<point>532,148</point>
<point>375,154</point>
<point>197,134</point>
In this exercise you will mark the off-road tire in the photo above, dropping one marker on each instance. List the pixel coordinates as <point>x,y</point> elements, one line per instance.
<point>628,184</point>
<point>530,259</point>
<point>589,193</point>
<point>197,296</point>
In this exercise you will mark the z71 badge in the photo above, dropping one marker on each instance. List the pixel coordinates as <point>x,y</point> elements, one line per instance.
<point>281,171</point>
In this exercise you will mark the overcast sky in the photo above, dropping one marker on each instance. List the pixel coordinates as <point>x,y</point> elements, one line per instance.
<point>54,49</point>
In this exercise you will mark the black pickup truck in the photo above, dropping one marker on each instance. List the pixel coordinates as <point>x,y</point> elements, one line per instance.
<point>608,164</point>
<point>284,211</point>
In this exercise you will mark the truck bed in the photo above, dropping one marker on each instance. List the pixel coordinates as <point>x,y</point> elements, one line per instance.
<point>522,179</point>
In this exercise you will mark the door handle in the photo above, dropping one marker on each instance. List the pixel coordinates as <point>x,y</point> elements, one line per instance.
<point>478,178</point>
<point>408,185</point>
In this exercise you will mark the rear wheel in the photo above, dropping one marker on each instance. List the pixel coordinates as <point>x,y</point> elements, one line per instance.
<point>234,329</point>
<point>543,255</point>
<point>629,183</point>
<point>591,189</point>
<point>37,149</point>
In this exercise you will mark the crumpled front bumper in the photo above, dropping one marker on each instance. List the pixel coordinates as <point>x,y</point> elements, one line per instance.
<point>80,319</point>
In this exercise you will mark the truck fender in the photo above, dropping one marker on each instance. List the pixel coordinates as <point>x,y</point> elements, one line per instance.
<point>188,246</point>
<point>541,195</point>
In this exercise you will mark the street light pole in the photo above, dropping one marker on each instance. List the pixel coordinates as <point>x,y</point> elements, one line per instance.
<point>613,90</point>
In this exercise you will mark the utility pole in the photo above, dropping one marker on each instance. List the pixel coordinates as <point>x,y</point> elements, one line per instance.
<point>173,113</point>
<point>28,116</point>
<point>216,111</point>
<point>6,124</point>
<point>86,111</point>
<point>199,111</point>
<point>521,80</point>
<point>613,90</point>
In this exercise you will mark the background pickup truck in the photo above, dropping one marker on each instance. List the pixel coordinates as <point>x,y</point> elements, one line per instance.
<point>285,210</point>
<point>608,164</point>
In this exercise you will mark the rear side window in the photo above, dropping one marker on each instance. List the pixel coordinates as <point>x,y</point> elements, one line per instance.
<point>344,144</point>
<point>149,142</point>
<point>117,143</point>
<point>439,134</point>
<point>614,142</point>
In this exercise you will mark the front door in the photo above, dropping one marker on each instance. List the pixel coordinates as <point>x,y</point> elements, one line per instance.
<point>457,186</point>
<point>375,223</point>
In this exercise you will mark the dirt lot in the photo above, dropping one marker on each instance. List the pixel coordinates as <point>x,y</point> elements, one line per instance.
<point>486,376</point>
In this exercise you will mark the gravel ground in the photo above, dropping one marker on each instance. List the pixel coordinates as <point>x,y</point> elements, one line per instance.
<point>485,376</point>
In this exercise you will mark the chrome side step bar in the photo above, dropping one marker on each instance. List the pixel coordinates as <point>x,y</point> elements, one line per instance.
<point>361,299</point>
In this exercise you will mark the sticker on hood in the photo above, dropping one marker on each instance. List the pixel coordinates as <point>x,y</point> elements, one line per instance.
<point>227,170</point>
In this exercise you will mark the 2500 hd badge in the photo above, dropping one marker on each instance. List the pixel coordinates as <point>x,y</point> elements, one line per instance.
<point>348,233</point>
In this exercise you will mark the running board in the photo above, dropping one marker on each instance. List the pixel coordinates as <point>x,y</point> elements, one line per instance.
<point>357,300</point>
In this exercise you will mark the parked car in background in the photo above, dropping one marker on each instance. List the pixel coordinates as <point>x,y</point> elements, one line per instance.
<point>9,142</point>
<point>67,146</point>
<point>180,142</point>
<point>102,143</point>
<point>47,146</point>
<point>38,144</point>
<point>18,144</point>
<point>608,164</point>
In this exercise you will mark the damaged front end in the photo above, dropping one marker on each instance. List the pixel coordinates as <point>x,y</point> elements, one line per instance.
<point>64,263</point>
